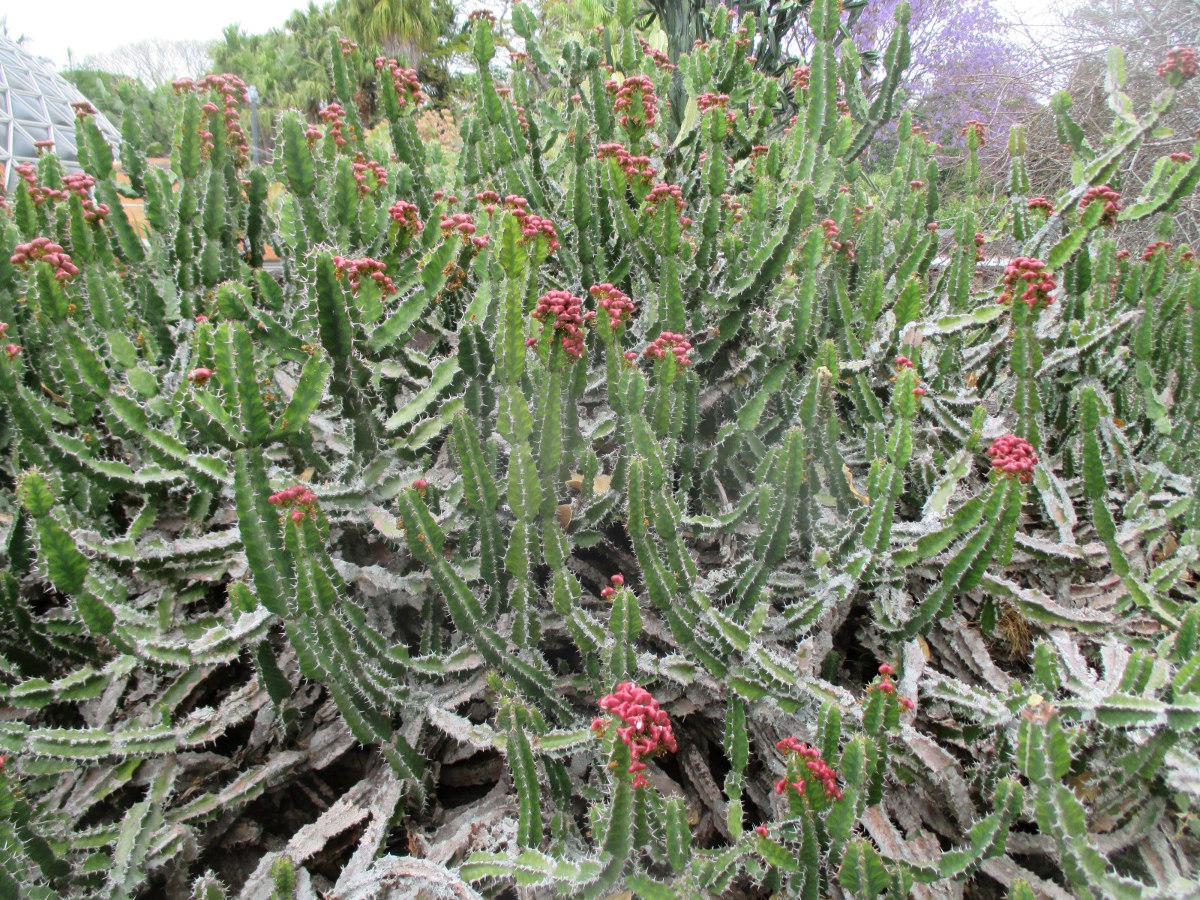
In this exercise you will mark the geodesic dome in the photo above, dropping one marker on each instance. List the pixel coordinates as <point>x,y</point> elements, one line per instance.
<point>35,105</point>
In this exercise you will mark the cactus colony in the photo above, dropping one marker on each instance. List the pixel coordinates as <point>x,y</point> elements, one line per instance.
<point>771,550</point>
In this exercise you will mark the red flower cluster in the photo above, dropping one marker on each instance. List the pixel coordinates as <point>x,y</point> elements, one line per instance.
<point>647,730</point>
<point>634,167</point>
<point>334,115</point>
<point>12,350</point>
<point>44,249</point>
<point>298,497</point>
<point>312,134</point>
<point>373,269</point>
<point>1013,455</point>
<point>408,85</point>
<point>563,312</point>
<point>636,102</point>
<point>817,767</point>
<point>1038,282</point>
<point>1149,252</point>
<point>199,376</point>
<point>617,581</point>
<point>233,92</point>
<point>759,150</point>
<point>362,166</point>
<point>670,343</point>
<point>903,362</point>
<point>1180,65</point>
<point>1102,193</point>
<point>832,231</point>
<point>980,131</point>
<point>980,240</point>
<point>710,100</point>
<point>489,199</point>
<point>886,672</point>
<point>612,300</point>
<point>532,224</point>
<point>43,146</point>
<point>83,109</point>
<point>404,214</point>
<point>1040,203</point>
<point>660,59</point>
<point>1180,157</point>
<point>663,192</point>
<point>734,207</point>
<point>460,222</point>
<point>800,77</point>
<point>348,46</point>
<point>79,183</point>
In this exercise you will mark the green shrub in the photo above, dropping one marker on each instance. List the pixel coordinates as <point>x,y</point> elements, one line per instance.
<point>772,548</point>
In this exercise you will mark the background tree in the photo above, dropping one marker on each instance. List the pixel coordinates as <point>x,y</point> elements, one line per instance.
<point>405,29</point>
<point>155,61</point>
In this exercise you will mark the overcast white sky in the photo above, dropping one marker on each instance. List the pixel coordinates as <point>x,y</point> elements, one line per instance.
<point>88,27</point>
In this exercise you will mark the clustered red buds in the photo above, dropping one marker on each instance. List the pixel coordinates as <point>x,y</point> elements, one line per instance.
<point>312,134</point>
<point>759,150</point>
<point>734,206</point>
<point>563,312</point>
<point>980,131</point>
<point>663,193</point>
<point>832,231</point>
<point>533,225</point>
<point>617,581</point>
<point>199,376</point>
<point>233,92</point>
<point>334,116</point>
<point>44,146</point>
<point>1102,193</point>
<point>408,85</point>
<point>1181,157</point>
<point>1038,282</point>
<point>373,269</point>
<point>611,299</point>
<point>659,58</point>
<point>420,485</point>
<point>1036,203</point>
<point>347,46</point>
<point>1180,65</point>
<point>298,498</point>
<point>636,168</point>
<point>709,101</point>
<point>1149,252</point>
<point>12,350</point>
<point>78,183</point>
<point>404,214</point>
<point>636,102</point>
<point>886,671</point>
<point>361,166</point>
<point>903,362</point>
<point>672,344</point>
<point>460,222</point>
<point>980,240</point>
<point>647,730</point>
<point>1013,455</point>
<point>83,109</point>
<point>800,76</point>
<point>817,768</point>
<point>44,249</point>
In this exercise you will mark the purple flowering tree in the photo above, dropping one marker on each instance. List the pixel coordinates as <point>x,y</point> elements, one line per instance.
<point>963,66</point>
